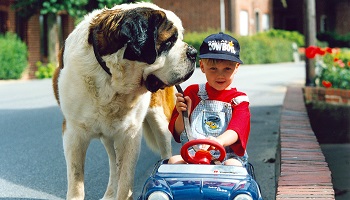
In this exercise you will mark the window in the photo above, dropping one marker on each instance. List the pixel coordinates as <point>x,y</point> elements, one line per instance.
<point>265,22</point>
<point>43,36</point>
<point>323,23</point>
<point>3,22</point>
<point>257,22</point>
<point>243,23</point>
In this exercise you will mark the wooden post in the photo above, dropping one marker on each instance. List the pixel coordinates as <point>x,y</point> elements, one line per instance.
<point>310,38</point>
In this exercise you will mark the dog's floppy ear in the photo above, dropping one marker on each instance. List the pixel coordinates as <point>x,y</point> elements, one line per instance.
<point>136,28</point>
<point>141,28</point>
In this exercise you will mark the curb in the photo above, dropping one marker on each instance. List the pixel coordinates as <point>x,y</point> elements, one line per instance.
<point>302,171</point>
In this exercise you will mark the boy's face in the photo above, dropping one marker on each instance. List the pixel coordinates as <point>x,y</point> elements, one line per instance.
<point>219,73</point>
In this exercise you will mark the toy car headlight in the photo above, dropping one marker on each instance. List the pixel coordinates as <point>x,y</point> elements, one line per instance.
<point>243,197</point>
<point>158,195</point>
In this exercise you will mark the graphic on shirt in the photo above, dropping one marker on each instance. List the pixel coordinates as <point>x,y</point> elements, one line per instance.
<point>212,122</point>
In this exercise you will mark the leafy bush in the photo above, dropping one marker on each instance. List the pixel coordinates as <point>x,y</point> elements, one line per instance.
<point>13,56</point>
<point>257,49</point>
<point>261,49</point>
<point>195,39</point>
<point>293,36</point>
<point>332,66</point>
<point>334,40</point>
<point>45,71</point>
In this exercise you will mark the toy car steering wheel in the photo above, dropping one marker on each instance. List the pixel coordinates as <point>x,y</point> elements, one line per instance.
<point>202,156</point>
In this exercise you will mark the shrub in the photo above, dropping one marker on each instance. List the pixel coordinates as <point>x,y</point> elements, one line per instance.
<point>257,49</point>
<point>261,49</point>
<point>44,71</point>
<point>293,36</point>
<point>334,40</point>
<point>13,56</point>
<point>195,39</point>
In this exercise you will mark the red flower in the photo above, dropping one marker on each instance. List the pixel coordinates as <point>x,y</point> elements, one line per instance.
<point>335,59</point>
<point>320,51</point>
<point>326,84</point>
<point>328,50</point>
<point>348,63</point>
<point>311,51</point>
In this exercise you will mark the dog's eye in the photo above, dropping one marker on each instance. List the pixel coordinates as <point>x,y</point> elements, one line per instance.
<point>171,40</point>
<point>168,43</point>
<point>166,46</point>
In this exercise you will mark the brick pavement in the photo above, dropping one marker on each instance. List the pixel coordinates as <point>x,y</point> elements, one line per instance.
<point>304,173</point>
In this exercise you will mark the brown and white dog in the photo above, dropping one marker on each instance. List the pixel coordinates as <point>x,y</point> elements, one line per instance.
<point>109,66</point>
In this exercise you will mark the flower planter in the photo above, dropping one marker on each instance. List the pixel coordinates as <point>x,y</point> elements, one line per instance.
<point>328,95</point>
<point>329,113</point>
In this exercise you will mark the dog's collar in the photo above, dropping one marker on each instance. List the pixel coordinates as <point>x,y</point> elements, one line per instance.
<point>97,54</point>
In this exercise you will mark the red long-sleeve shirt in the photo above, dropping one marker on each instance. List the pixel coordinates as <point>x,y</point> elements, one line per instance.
<point>240,120</point>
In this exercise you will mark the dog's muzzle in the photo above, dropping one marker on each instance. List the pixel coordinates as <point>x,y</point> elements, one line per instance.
<point>191,53</point>
<point>153,83</point>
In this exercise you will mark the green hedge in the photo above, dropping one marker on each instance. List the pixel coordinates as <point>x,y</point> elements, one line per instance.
<point>261,49</point>
<point>13,57</point>
<point>334,40</point>
<point>45,70</point>
<point>258,49</point>
<point>293,36</point>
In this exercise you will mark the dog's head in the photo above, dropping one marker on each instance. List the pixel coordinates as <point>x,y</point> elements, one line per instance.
<point>149,37</point>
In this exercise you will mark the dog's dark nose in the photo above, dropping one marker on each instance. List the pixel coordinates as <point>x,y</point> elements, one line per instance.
<point>191,53</point>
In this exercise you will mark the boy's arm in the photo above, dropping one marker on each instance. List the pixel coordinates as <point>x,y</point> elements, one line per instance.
<point>228,138</point>
<point>240,123</point>
<point>179,124</point>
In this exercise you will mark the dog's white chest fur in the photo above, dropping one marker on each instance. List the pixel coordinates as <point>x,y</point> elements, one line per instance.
<point>103,111</point>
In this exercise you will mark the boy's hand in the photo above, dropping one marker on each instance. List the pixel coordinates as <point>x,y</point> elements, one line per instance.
<point>182,103</point>
<point>208,147</point>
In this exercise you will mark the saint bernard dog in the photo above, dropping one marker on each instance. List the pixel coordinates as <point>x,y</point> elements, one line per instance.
<point>114,82</point>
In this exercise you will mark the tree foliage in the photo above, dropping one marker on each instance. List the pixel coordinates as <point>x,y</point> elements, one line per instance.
<point>75,8</point>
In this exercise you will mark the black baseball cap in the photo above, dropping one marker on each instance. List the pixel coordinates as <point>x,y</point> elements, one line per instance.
<point>220,46</point>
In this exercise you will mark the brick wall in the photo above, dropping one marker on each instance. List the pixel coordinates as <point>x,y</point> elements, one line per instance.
<point>205,14</point>
<point>342,22</point>
<point>253,7</point>
<point>195,15</point>
<point>304,173</point>
<point>33,43</point>
<point>329,95</point>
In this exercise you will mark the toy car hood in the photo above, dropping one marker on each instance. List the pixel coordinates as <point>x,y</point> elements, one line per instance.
<point>187,181</point>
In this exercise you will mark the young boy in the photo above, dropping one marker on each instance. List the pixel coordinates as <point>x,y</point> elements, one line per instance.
<point>217,111</point>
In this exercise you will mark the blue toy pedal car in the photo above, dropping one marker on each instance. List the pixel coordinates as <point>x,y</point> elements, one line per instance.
<point>203,178</point>
<point>200,181</point>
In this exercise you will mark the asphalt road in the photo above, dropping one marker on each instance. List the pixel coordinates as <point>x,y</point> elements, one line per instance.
<point>32,164</point>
